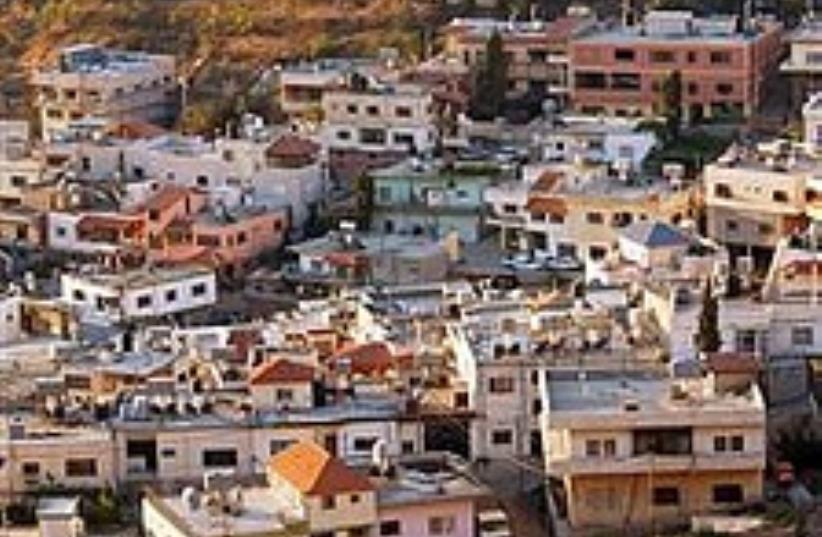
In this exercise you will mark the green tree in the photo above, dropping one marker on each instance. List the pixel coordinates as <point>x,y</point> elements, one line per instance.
<point>708,338</point>
<point>490,81</point>
<point>364,194</point>
<point>672,103</point>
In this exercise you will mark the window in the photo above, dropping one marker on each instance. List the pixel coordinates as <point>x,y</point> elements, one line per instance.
<point>401,138</point>
<point>509,208</point>
<point>219,458</point>
<point>501,385</point>
<point>355,498</point>
<point>765,229</point>
<point>780,196</point>
<point>727,493</point>
<point>738,443</point>
<point>594,218</point>
<point>593,448</point>
<point>556,218</point>
<point>208,240</point>
<point>198,289</point>
<point>501,437</point>
<point>802,335</point>
<point>329,502</point>
<point>202,180</point>
<point>609,447</point>
<point>662,56</point>
<point>720,56</point>
<point>693,88</point>
<point>745,340</point>
<point>284,395</point>
<point>441,525</point>
<point>31,469</point>
<point>720,444</point>
<point>731,225</point>
<point>666,496</point>
<point>343,135</point>
<point>624,55</point>
<point>275,446</point>
<point>692,56</point>
<point>168,453</point>
<point>18,181</point>
<point>721,190</point>
<point>81,468</point>
<point>390,527</point>
<point>384,194</point>
<point>372,136</point>
<point>626,81</point>
<point>536,407</point>
<point>171,295</point>
<point>364,443</point>
<point>242,237</point>
<point>78,295</point>
<point>662,441</point>
<point>61,231</point>
<point>402,111</point>
<point>153,215</point>
<point>372,110</point>
<point>144,301</point>
<point>724,88</point>
<point>352,109</point>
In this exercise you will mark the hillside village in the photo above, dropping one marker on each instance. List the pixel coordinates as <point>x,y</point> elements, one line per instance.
<point>394,268</point>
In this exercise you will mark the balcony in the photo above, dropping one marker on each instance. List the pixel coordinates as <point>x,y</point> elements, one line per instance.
<point>646,464</point>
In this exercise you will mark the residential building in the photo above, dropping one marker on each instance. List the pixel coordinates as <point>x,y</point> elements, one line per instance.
<point>371,123</point>
<point>725,71</point>
<point>537,51</point>
<point>432,198</point>
<point>618,141</point>
<point>637,451</point>
<point>342,259</point>
<point>803,66</point>
<point>336,500</point>
<point>579,209</point>
<point>302,85</point>
<point>754,197</point>
<point>90,82</point>
<point>140,293</point>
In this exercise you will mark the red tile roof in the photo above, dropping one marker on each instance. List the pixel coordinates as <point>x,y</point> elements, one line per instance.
<point>292,146</point>
<point>135,130</point>
<point>95,222</point>
<point>369,359</point>
<point>732,362</point>
<point>313,471</point>
<point>281,370</point>
<point>542,205</point>
<point>164,198</point>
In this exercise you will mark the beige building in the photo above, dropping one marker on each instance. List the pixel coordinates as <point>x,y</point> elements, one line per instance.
<point>579,210</point>
<point>90,82</point>
<point>637,451</point>
<point>754,197</point>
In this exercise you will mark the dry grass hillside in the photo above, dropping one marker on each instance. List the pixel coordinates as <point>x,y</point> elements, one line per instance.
<point>235,37</point>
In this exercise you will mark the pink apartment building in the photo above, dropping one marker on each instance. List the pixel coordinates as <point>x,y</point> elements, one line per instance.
<point>724,68</point>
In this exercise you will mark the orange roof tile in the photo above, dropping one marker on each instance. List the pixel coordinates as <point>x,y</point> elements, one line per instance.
<point>370,359</point>
<point>547,181</point>
<point>164,198</point>
<point>281,370</point>
<point>544,205</point>
<point>291,146</point>
<point>732,362</point>
<point>94,222</point>
<point>313,471</point>
<point>135,130</point>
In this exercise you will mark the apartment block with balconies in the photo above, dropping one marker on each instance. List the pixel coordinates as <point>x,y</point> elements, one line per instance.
<point>756,196</point>
<point>537,51</point>
<point>621,70</point>
<point>638,451</point>
<point>92,82</point>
